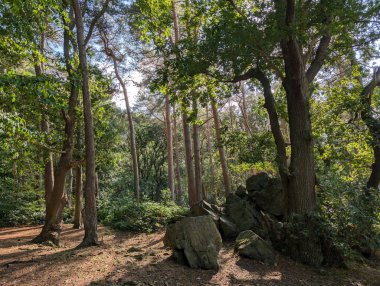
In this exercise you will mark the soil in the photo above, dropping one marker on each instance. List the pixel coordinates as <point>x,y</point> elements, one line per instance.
<point>141,259</point>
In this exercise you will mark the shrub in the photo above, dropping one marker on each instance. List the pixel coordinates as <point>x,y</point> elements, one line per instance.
<point>127,214</point>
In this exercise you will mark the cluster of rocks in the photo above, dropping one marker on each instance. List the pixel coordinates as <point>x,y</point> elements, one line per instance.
<point>251,216</point>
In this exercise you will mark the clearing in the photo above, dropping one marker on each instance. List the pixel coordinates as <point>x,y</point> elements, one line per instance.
<point>141,259</point>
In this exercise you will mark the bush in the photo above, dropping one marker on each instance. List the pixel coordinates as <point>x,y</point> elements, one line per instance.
<point>127,214</point>
<point>352,213</point>
<point>22,209</point>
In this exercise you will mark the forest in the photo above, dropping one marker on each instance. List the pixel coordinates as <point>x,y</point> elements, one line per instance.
<point>190,142</point>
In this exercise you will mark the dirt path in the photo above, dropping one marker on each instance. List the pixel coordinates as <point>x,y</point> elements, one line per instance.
<point>140,259</point>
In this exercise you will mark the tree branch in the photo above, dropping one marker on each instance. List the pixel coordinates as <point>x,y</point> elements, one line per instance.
<point>95,20</point>
<point>320,56</point>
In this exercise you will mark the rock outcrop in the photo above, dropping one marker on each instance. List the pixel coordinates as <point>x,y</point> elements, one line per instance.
<point>196,242</point>
<point>267,194</point>
<point>249,244</point>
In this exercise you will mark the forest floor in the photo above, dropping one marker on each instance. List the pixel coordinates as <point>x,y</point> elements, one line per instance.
<point>141,259</point>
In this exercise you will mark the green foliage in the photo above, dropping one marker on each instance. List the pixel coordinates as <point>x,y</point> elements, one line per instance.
<point>126,214</point>
<point>351,212</point>
<point>20,204</point>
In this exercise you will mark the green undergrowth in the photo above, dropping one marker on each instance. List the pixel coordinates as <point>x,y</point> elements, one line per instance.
<point>148,216</point>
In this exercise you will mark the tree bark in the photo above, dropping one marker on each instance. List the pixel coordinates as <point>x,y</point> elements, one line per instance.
<point>177,159</point>
<point>270,106</point>
<point>373,125</point>
<point>90,212</point>
<point>191,188</point>
<point>243,108</point>
<point>57,200</point>
<point>209,149</point>
<point>222,156</point>
<point>78,198</point>
<point>169,144</point>
<point>197,158</point>
<point>69,186</point>
<point>135,164</point>
<point>301,189</point>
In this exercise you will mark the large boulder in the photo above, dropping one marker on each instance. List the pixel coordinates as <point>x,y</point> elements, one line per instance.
<point>267,193</point>
<point>196,239</point>
<point>244,215</point>
<point>257,182</point>
<point>249,244</point>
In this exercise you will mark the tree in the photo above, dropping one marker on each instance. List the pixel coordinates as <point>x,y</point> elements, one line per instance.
<point>115,59</point>
<point>90,212</point>
<point>222,157</point>
<point>373,125</point>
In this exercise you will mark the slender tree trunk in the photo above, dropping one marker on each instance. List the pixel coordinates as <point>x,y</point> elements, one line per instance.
<point>186,129</point>
<point>177,161</point>
<point>209,149</point>
<point>69,186</point>
<point>222,156</point>
<point>197,158</point>
<point>49,166</point>
<point>45,128</point>
<point>55,181</point>
<point>135,163</point>
<point>169,144</point>
<point>132,134</point>
<point>243,108</point>
<point>78,197</point>
<point>90,212</point>
<point>270,106</point>
<point>189,162</point>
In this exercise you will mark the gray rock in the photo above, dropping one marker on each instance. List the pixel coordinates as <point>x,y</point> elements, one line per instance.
<point>205,208</point>
<point>257,182</point>
<point>199,239</point>
<point>271,199</point>
<point>228,228</point>
<point>179,256</point>
<point>243,214</point>
<point>249,244</point>
<point>267,194</point>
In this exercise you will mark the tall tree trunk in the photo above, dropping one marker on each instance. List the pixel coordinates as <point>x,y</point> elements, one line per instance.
<point>209,149</point>
<point>90,212</point>
<point>177,161</point>
<point>374,179</point>
<point>373,125</point>
<point>78,198</point>
<point>45,128</point>
<point>191,188</point>
<point>186,128</point>
<point>49,165</point>
<point>301,190</point>
<point>243,109</point>
<point>135,164</point>
<point>270,106</point>
<point>169,144</point>
<point>69,186</point>
<point>222,156</point>
<point>57,198</point>
<point>197,157</point>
